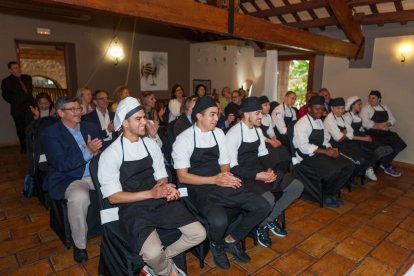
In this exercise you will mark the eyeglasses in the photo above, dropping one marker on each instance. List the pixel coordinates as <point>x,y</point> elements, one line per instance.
<point>74,109</point>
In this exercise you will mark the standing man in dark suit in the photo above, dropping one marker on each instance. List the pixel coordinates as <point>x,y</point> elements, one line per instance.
<point>324,92</point>
<point>17,91</point>
<point>102,117</point>
<point>69,146</point>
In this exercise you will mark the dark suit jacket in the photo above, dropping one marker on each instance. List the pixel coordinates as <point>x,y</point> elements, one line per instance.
<point>64,157</point>
<point>14,94</point>
<point>181,124</point>
<point>93,118</point>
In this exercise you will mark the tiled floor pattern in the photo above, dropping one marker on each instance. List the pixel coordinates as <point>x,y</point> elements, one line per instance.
<point>372,234</point>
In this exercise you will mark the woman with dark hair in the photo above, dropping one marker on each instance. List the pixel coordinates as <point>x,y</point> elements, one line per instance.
<point>44,106</point>
<point>200,90</point>
<point>378,120</point>
<point>177,99</point>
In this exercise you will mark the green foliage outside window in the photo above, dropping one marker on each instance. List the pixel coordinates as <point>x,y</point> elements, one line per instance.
<point>298,80</point>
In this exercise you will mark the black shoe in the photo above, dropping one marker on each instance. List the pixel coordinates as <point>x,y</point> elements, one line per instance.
<point>262,237</point>
<point>340,201</point>
<point>330,201</point>
<point>219,255</point>
<point>276,229</point>
<point>80,255</point>
<point>236,249</point>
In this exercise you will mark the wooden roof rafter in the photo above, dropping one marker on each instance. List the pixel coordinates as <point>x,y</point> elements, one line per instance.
<point>215,20</point>
<point>350,26</point>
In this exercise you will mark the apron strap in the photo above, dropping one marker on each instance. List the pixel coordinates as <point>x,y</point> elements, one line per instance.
<point>214,136</point>
<point>307,116</point>
<point>122,147</point>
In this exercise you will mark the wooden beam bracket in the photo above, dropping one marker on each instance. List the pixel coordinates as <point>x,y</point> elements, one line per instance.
<point>230,23</point>
<point>360,47</point>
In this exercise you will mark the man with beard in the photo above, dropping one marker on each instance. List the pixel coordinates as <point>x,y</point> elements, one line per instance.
<point>249,160</point>
<point>202,163</point>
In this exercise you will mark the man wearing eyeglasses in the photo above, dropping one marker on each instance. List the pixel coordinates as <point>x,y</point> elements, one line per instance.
<point>69,146</point>
<point>102,117</point>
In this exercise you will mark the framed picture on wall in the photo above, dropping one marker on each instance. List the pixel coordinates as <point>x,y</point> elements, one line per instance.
<point>206,83</point>
<point>153,70</point>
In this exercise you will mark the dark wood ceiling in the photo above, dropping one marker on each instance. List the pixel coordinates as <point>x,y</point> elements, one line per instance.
<point>264,24</point>
<point>307,14</point>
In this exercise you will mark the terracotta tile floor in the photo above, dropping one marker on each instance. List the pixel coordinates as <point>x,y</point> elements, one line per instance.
<point>373,234</point>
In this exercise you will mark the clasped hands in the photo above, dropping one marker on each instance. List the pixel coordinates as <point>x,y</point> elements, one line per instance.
<point>227,179</point>
<point>165,190</point>
<point>268,176</point>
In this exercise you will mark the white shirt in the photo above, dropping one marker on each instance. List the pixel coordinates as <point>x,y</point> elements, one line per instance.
<point>350,117</point>
<point>368,111</point>
<point>183,146</point>
<point>104,121</point>
<point>278,117</point>
<point>302,131</point>
<point>174,106</point>
<point>111,160</point>
<point>332,124</point>
<point>267,121</point>
<point>234,140</point>
<point>44,113</point>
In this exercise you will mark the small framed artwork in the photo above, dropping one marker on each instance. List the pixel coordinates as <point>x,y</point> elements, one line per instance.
<point>206,83</point>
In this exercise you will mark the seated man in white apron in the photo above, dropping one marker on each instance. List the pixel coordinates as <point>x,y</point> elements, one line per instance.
<point>283,115</point>
<point>132,174</point>
<point>249,160</point>
<point>378,120</point>
<point>202,163</point>
<point>312,148</point>
<point>342,137</point>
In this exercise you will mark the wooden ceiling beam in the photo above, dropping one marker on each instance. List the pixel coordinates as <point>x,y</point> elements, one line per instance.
<point>343,14</point>
<point>292,8</point>
<point>264,31</point>
<point>372,19</point>
<point>309,5</point>
<point>388,17</point>
<point>194,15</point>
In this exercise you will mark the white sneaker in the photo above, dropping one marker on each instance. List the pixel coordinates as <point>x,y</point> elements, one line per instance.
<point>177,270</point>
<point>147,271</point>
<point>370,174</point>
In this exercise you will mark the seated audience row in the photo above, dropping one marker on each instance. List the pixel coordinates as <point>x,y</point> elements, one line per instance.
<point>244,169</point>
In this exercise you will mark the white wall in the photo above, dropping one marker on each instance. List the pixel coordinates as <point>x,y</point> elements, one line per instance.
<point>207,62</point>
<point>394,79</point>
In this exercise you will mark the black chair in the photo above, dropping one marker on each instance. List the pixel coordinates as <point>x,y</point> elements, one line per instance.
<point>116,257</point>
<point>36,155</point>
<point>313,184</point>
<point>60,224</point>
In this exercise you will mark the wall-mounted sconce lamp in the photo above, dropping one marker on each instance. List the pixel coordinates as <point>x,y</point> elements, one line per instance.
<point>405,51</point>
<point>115,51</point>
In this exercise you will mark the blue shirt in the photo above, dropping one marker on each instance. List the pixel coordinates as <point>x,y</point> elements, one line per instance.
<point>87,156</point>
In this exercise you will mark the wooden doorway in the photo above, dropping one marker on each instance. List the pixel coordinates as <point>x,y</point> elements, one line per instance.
<point>295,74</point>
<point>51,65</point>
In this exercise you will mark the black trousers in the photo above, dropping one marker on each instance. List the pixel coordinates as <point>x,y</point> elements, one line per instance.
<point>21,120</point>
<point>252,208</point>
<point>335,172</point>
<point>391,139</point>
